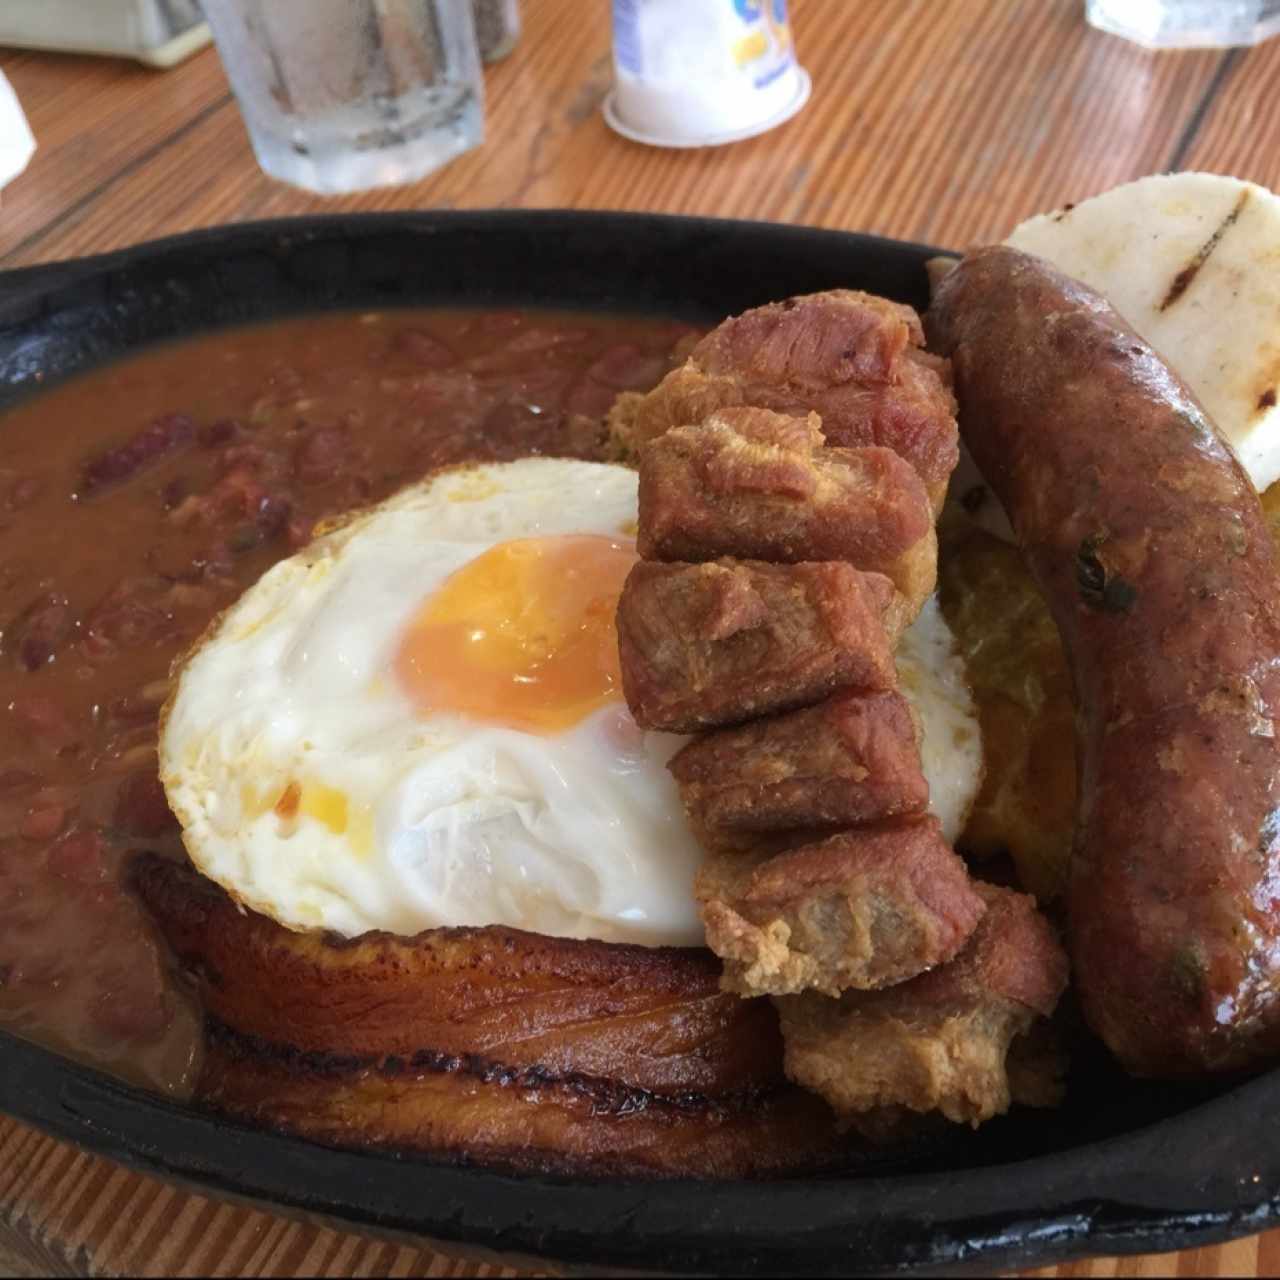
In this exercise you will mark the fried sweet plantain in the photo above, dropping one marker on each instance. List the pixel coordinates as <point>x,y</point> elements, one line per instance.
<point>486,1045</point>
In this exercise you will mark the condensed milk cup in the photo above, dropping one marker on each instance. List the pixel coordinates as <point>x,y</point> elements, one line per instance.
<point>699,73</point>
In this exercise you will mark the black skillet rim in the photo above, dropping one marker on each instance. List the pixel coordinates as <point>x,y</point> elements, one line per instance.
<point>1205,1175</point>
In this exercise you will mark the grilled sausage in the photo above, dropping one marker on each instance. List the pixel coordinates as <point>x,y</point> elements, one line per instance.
<point>1149,543</point>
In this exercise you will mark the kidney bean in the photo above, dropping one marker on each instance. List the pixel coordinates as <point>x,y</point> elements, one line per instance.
<point>14,778</point>
<point>248,460</point>
<point>19,918</point>
<point>321,454</point>
<point>285,378</point>
<point>175,492</point>
<point>625,367</point>
<point>190,596</point>
<point>25,489</point>
<point>141,708</point>
<point>446,400</point>
<point>160,437</point>
<point>580,436</point>
<point>191,509</point>
<point>423,349</point>
<point>46,722</point>
<point>213,435</point>
<point>239,491</point>
<point>351,494</point>
<point>79,857</point>
<point>542,341</point>
<point>589,398</point>
<point>298,531</point>
<point>522,426</point>
<point>128,747</point>
<point>243,539</point>
<point>239,494</point>
<point>41,630</point>
<point>497,324</point>
<point>273,514</point>
<point>42,824</point>
<point>141,807</point>
<point>134,613</point>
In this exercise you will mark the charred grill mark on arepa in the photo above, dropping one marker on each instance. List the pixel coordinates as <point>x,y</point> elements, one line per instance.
<point>1182,281</point>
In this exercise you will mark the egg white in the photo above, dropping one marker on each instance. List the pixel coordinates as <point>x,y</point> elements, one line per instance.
<point>409,822</point>
<point>404,821</point>
<point>931,675</point>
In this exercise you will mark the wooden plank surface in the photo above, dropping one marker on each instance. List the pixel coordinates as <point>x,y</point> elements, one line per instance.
<point>930,121</point>
<point>1240,125</point>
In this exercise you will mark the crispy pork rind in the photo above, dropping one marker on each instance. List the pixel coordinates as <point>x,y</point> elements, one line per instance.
<point>855,359</point>
<point>760,486</point>
<point>705,645</point>
<point>862,909</point>
<point>941,1041</point>
<point>854,758</point>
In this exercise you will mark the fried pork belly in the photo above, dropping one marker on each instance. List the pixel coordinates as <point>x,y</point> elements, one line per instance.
<point>853,758</point>
<point>1037,1066</point>
<point>704,645</point>
<point>760,486</point>
<point>865,908</point>
<point>855,359</point>
<point>941,1041</point>
<point>486,1045</point>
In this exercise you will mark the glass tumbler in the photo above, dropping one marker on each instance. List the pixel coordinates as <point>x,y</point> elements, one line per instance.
<point>1186,24</point>
<point>343,95</point>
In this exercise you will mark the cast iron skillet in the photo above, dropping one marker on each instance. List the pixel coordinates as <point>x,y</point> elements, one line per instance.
<point>1124,1167</point>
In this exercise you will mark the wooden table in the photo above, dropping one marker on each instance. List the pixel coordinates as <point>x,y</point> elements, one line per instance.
<point>943,122</point>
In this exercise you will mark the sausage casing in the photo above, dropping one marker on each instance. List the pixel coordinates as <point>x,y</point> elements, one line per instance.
<point>1148,541</point>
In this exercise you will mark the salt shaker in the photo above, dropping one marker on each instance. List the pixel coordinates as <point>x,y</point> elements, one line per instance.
<point>497,27</point>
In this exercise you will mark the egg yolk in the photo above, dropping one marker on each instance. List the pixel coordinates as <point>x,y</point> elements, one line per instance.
<point>522,635</point>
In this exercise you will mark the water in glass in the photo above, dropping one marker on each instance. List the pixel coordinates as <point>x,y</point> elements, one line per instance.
<point>342,95</point>
<point>1186,24</point>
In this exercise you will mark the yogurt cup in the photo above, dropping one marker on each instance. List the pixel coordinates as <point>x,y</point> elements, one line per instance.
<point>699,73</point>
<point>16,142</point>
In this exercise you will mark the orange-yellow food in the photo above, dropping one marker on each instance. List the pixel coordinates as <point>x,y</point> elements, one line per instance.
<point>522,634</point>
<point>1018,675</point>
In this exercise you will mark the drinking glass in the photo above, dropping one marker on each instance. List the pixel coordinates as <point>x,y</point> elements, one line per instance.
<point>342,95</point>
<point>1186,24</point>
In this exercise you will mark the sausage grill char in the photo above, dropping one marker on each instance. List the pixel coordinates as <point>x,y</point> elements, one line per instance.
<point>1148,541</point>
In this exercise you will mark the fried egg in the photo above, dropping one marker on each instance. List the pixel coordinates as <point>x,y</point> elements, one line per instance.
<point>932,677</point>
<point>417,721</point>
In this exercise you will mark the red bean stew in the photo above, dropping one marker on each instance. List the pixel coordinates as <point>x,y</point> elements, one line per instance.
<point>138,501</point>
